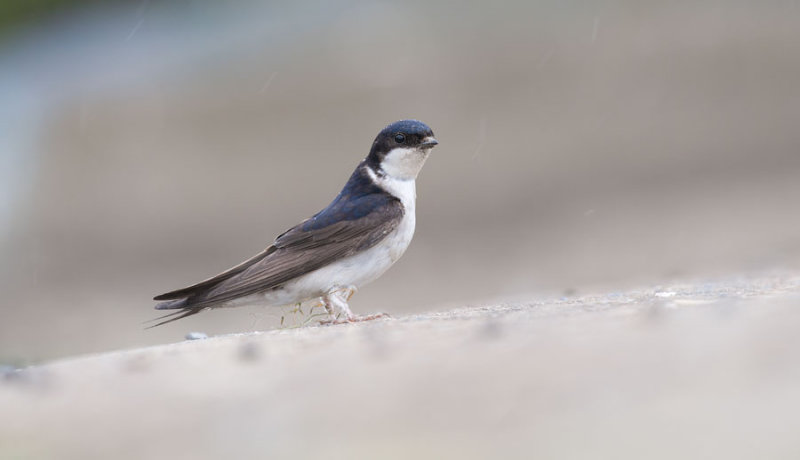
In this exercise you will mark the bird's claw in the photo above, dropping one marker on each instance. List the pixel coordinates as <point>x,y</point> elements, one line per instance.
<point>353,319</point>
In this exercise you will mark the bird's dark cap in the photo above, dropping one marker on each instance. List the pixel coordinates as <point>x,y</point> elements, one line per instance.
<point>408,127</point>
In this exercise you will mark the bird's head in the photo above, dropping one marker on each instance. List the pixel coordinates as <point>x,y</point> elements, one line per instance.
<point>400,149</point>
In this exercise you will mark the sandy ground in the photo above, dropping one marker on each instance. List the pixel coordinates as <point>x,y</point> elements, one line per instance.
<point>695,370</point>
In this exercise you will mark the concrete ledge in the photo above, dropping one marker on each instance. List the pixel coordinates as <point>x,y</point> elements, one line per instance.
<point>693,370</point>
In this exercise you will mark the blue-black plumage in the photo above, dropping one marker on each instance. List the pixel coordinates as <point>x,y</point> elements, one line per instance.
<point>352,241</point>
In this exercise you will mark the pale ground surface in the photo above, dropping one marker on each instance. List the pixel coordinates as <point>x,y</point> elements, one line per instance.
<point>695,370</point>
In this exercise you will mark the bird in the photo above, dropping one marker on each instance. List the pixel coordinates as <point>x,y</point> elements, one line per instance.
<point>329,256</point>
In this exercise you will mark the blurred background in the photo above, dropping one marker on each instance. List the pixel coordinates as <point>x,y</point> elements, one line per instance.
<point>145,146</point>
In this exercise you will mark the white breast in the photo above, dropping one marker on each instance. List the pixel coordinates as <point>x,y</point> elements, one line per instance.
<point>406,192</point>
<point>367,266</point>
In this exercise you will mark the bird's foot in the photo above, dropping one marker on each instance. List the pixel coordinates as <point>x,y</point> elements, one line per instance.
<point>353,319</point>
<point>373,316</point>
<point>337,300</point>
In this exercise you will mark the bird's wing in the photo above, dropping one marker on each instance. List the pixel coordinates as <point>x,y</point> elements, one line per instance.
<point>199,287</point>
<point>309,246</point>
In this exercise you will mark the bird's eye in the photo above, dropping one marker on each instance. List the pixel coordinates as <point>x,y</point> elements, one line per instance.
<point>399,138</point>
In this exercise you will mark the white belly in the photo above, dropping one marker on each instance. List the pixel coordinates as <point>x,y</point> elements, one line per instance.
<point>357,270</point>
<point>360,269</point>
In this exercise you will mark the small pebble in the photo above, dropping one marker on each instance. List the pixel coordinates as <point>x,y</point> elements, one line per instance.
<point>196,336</point>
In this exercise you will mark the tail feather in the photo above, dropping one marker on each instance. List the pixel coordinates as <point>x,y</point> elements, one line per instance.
<point>178,312</point>
<point>182,310</point>
<point>172,316</point>
<point>173,305</point>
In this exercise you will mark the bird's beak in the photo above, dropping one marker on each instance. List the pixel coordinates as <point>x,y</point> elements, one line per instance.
<point>428,142</point>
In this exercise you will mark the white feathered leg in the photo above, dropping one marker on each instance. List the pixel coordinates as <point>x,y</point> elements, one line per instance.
<point>337,301</point>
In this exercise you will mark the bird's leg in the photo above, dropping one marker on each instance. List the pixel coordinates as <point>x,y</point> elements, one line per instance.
<point>338,300</point>
<point>328,307</point>
<point>330,303</point>
<point>351,290</point>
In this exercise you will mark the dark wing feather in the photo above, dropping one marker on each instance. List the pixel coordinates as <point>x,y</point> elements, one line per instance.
<point>203,285</point>
<point>309,246</point>
<point>300,251</point>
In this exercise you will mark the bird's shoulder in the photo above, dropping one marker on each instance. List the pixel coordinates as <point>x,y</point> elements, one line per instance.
<point>361,207</point>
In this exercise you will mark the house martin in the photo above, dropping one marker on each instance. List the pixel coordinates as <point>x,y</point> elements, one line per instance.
<point>327,257</point>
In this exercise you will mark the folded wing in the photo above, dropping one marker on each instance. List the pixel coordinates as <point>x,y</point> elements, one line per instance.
<point>313,244</point>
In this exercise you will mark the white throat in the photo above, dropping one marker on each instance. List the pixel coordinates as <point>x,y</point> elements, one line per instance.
<point>404,163</point>
<point>404,190</point>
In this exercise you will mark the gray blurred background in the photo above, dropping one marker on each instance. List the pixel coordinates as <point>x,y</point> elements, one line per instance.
<point>145,146</point>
